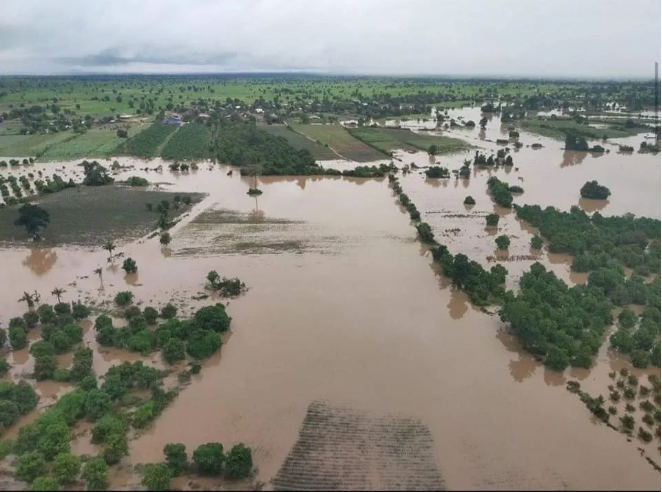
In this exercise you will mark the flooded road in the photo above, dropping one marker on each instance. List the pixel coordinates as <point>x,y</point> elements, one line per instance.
<point>345,309</point>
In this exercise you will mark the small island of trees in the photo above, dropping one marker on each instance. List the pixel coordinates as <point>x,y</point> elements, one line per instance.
<point>594,190</point>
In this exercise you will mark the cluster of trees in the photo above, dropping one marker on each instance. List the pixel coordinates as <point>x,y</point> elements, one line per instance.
<point>561,325</point>
<point>639,336</point>
<point>137,181</point>
<point>469,200</point>
<point>597,241</point>
<point>209,459</point>
<point>500,192</point>
<point>96,174</point>
<point>437,172</point>
<point>226,287</point>
<point>199,336</point>
<point>414,214</point>
<point>592,189</point>
<point>15,400</point>
<point>364,171</point>
<point>574,141</point>
<point>34,218</point>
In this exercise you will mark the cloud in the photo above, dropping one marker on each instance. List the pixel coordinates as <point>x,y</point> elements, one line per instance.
<point>495,37</point>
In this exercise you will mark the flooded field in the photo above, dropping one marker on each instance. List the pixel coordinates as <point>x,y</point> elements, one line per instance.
<point>347,324</point>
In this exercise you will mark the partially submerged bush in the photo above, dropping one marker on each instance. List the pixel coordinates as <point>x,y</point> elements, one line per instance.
<point>124,298</point>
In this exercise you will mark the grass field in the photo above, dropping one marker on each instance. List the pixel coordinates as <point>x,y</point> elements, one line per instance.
<point>34,145</point>
<point>148,142</point>
<point>388,139</point>
<point>111,212</point>
<point>337,137</point>
<point>558,128</point>
<point>94,143</point>
<point>190,141</point>
<point>319,151</point>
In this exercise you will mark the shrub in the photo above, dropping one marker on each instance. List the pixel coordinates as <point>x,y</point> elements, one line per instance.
<point>29,466</point>
<point>209,458</point>
<point>108,425</point>
<point>4,367</point>
<point>173,351</point>
<point>150,314</point>
<point>44,367</point>
<point>88,383</point>
<point>124,298</point>
<point>82,365</point>
<point>425,232</point>
<point>18,338</point>
<point>592,189</point>
<point>31,319</point>
<point>45,484</point>
<point>144,415</point>
<point>212,318</point>
<point>469,201</point>
<point>203,343</point>
<point>79,311</point>
<point>239,462</point>
<point>96,474</point>
<point>131,312</point>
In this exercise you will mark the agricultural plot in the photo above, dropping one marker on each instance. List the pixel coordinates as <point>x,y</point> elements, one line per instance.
<point>559,127</point>
<point>191,141</point>
<point>298,141</point>
<point>110,212</point>
<point>93,143</point>
<point>34,145</point>
<point>147,143</point>
<point>389,139</point>
<point>341,141</point>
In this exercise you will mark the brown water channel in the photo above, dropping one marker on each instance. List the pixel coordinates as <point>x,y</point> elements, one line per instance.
<point>344,307</point>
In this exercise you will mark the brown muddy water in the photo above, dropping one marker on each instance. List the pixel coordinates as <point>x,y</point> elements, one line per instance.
<point>347,325</point>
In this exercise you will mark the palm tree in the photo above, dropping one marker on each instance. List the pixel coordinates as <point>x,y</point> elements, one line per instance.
<point>110,247</point>
<point>57,292</point>
<point>36,297</point>
<point>27,298</point>
<point>99,271</point>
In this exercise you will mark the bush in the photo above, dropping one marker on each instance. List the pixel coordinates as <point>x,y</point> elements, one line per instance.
<point>66,467</point>
<point>502,241</point>
<point>96,474</point>
<point>46,313</point>
<point>31,319</point>
<point>82,365</point>
<point>29,466</point>
<point>54,440</point>
<point>132,312</point>
<point>124,298</point>
<point>45,367</point>
<point>88,383</point>
<point>157,476</point>
<point>4,367</point>
<point>168,311</point>
<point>425,233</point>
<point>108,425</point>
<point>144,415</point>
<point>209,458</point>
<point>516,189</point>
<point>144,342</point>
<point>137,181</point>
<point>79,311</point>
<point>492,220</point>
<point>239,462</point>
<point>469,201</point>
<point>176,458</point>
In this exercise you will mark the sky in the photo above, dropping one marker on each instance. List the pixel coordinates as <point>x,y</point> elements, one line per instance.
<point>521,38</point>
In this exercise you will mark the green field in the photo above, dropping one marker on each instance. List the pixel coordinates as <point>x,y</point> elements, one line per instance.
<point>94,143</point>
<point>337,137</point>
<point>191,141</point>
<point>148,142</point>
<point>298,141</point>
<point>389,139</point>
<point>35,145</point>
<point>111,212</point>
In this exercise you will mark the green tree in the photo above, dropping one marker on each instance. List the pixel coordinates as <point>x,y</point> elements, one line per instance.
<point>492,220</point>
<point>176,458</point>
<point>45,367</point>
<point>66,467</point>
<point>97,404</point>
<point>169,311</point>
<point>124,298</point>
<point>432,150</point>
<point>55,440</point>
<point>108,425</point>
<point>110,247</point>
<point>31,319</point>
<point>212,318</point>
<point>469,201</point>
<point>115,448</point>
<point>30,466</point>
<point>130,266</point>
<point>173,351</point>
<point>150,315</point>
<point>239,462</point>
<point>537,242</point>
<point>18,338</point>
<point>157,476</point>
<point>502,241</point>
<point>57,292</point>
<point>95,473</point>
<point>82,365</point>
<point>203,343</point>
<point>45,484</point>
<point>165,239</point>
<point>209,458</point>
<point>33,218</point>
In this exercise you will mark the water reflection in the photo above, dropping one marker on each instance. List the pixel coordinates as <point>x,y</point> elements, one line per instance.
<point>457,304</point>
<point>525,365</point>
<point>590,205</point>
<point>573,158</point>
<point>40,261</point>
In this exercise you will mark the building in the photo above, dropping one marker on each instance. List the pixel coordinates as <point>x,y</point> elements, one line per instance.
<point>174,119</point>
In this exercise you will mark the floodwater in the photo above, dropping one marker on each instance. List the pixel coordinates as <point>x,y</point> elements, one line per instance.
<point>345,307</point>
